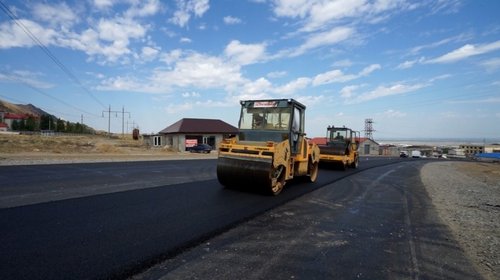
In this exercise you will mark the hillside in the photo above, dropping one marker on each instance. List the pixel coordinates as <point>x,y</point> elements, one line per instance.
<point>21,109</point>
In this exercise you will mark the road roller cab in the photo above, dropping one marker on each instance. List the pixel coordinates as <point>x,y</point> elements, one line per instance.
<point>269,149</point>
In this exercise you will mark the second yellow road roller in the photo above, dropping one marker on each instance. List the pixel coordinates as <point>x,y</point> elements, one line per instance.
<point>269,149</point>
<point>341,147</point>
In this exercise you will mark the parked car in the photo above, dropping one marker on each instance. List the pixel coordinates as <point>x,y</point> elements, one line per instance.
<point>201,148</point>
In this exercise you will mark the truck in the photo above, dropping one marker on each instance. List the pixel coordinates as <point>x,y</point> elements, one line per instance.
<point>270,149</point>
<point>341,148</point>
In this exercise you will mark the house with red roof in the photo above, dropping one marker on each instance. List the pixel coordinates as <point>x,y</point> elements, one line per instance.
<point>9,118</point>
<point>3,126</point>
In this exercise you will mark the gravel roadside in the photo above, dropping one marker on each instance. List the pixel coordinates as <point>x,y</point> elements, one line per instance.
<point>467,198</point>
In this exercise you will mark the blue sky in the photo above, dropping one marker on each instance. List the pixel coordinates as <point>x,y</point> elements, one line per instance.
<point>417,68</point>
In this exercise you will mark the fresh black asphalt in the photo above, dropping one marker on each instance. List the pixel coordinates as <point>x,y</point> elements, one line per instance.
<point>377,224</point>
<point>117,234</point>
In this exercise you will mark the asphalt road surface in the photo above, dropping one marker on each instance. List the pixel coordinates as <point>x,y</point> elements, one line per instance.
<point>94,221</point>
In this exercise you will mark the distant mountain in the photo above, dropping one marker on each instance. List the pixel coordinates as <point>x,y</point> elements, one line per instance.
<point>22,109</point>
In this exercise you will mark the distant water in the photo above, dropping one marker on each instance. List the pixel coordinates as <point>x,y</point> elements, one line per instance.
<point>438,142</point>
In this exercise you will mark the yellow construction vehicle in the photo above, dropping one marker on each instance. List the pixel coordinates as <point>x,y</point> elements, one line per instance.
<point>270,148</point>
<point>341,147</point>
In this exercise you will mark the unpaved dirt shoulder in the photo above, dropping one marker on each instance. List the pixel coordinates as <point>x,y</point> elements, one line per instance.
<point>467,198</point>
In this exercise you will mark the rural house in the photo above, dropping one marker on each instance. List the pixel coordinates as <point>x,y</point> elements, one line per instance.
<point>188,132</point>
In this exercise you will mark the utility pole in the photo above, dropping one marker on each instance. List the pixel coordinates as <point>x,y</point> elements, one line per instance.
<point>123,117</point>
<point>109,118</point>
<point>128,125</point>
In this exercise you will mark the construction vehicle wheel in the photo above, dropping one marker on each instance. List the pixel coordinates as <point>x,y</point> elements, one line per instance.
<point>343,165</point>
<point>355,164</point>
<point>277,180</point>
<point>313,171</point>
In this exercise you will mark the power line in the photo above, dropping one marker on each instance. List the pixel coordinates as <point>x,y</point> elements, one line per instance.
<point>10,99</point>
<point>26,30</point>
<point>46,94</point>
<point>116,115</point>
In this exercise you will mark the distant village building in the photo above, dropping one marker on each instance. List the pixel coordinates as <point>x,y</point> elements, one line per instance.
<point>471,149</point>
<point>189,132</point>
<point>9,118</point>
<point>492,148</point>
<point>459,153</point>
<point>389,150</point>
<point>368,147</point>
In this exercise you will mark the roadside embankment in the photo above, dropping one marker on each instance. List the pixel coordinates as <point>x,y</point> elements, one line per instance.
<point>467,198</point>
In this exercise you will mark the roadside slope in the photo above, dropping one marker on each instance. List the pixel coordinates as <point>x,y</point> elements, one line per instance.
<point>467,198</point>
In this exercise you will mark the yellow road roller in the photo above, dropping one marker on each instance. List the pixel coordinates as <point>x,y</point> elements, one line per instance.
<point>341,147</point>
<point>269,149</point>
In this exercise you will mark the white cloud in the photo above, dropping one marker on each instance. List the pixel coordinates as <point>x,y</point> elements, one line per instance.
<point>310,100</point>
<point>244,54</point>
<point>407,64</point>
<point>190,94</point>
<point>440,77</point>
<point>348,91</point>
<point>393,114</point>
<point>185,70</point>
<point>491,64</point>
<point>319,14</point>
<point>185,40</point>
<point>26,77</point>
<point>172,56</point>
<point>334,76</point>
<point>149,53</point>
<point>11,35</point>
<point>337,76</point>
<point>104,4</point>
<point>229,20</point>
<point>178,108</point>
<point>325,11</point>
<point>258,89</point>
<point>109,39</point>
<point>293,86</point>
<point>334,36</point>
<point>477,101</point>
<point>187,7</point>
<point>382,91</point>
<point>342,63</point>
<point>465,52</point>
<point>55,14</point>
<point>276,74</point>
<point>369,69</point>
<point>199,70</point>
<point>459,38</point>
<point>143,8</point>
<point>297,8</point>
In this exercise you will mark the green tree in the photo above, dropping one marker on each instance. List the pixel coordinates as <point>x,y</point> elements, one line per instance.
<point>15,125</point>
<point>70,127</point>
<point>22,125</point>
<point>61,125</point>
<point>46,123</point>
<point>31,124</point>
